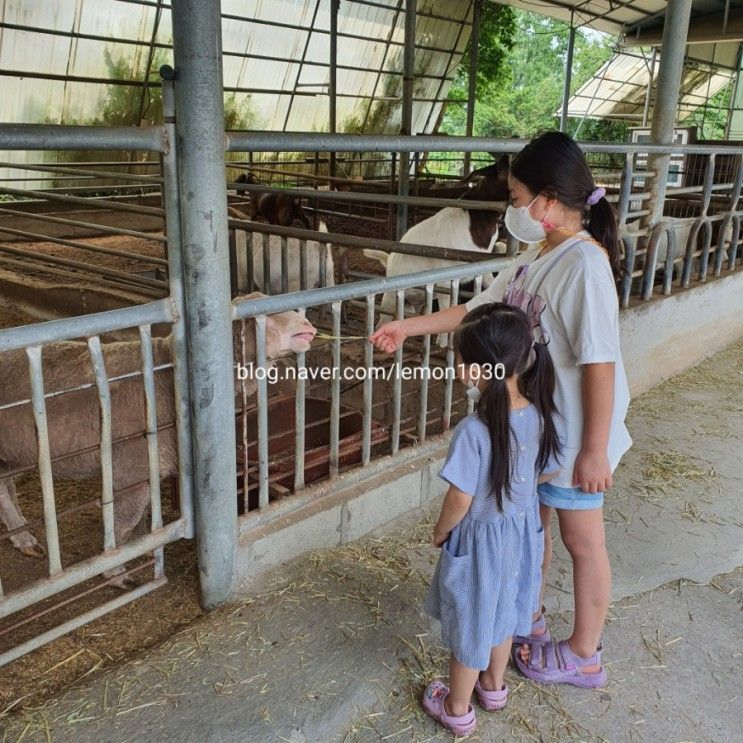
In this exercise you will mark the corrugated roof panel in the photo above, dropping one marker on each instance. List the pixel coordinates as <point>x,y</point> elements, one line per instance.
<point>618,89</point>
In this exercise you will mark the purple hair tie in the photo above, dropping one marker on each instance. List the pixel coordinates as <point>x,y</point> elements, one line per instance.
<point>596,195</point>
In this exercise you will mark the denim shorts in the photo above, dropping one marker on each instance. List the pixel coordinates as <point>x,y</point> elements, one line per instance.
<point>568,499</point>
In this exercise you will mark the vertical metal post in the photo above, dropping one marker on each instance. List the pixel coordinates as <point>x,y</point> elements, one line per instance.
<point>408,71</point>
<point>568,77</point>
<point>197,52</point>
<point>472,79</point>
<point>179,342</point>
<point>670,70</point>
<point>649,89</point>
<point>333,82</point>
<point>734,124</point>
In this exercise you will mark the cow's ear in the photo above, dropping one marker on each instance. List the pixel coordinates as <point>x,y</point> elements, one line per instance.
<point>504,165</point>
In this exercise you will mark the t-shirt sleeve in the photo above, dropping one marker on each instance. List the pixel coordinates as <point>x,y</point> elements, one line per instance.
<point>462,464</point>
<point>590,311</point>
<point>494,293</point>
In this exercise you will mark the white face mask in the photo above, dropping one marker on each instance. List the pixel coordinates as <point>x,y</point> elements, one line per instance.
<point>473,392</point>
<point>523,226</point>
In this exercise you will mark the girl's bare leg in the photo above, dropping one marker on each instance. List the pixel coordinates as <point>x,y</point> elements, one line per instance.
<point>492,678</point>
<point>461,685</point>
<point>584,537</point>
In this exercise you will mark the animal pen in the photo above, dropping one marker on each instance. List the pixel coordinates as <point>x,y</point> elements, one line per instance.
<point>160,245</point>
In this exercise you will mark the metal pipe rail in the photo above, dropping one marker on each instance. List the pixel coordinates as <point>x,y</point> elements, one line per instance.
<point>352,241</point>
<point>64,170</point>
<point>93,226</point>
<point>257,141</point>
<point>366,197</point>
<point>57,137</point>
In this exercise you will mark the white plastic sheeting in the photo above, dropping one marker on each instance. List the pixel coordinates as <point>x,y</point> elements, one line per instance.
<point>276,60</point>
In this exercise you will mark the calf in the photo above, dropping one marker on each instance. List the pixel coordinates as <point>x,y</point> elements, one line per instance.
<point>461,229</point>
<point>313,256</point>
<point>275,208</point>
<point>74,417</point>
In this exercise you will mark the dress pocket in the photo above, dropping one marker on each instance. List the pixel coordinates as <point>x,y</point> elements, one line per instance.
<point>454,577</point>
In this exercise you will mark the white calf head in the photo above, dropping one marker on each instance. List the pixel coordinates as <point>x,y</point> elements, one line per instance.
<point>286,332</point>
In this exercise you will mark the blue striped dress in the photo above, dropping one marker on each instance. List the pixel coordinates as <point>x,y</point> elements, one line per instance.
<point>486,584</point>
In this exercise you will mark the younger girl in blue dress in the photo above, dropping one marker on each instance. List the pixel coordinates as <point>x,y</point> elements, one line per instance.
<point>486,584</point>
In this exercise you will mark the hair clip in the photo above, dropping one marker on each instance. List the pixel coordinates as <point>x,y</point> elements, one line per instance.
<point>595,196</point>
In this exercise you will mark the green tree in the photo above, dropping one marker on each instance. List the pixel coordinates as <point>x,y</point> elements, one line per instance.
<point>520,95</point>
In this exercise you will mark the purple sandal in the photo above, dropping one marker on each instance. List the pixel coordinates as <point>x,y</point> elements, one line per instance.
<point>556,663</point>
<point>433,703</point>
<point>533,639</point>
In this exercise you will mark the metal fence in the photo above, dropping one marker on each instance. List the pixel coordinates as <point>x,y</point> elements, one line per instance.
<point>73,394</point>
<point>333,424</point>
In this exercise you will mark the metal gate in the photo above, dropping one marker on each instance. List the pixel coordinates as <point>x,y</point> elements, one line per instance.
<point>28,354</point>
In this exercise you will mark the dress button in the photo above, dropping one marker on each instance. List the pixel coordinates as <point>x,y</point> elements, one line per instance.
<point>523,479</point>
<point>522,447</point>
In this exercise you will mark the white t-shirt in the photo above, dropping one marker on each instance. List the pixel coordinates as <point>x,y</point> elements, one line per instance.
<point>570,296</point>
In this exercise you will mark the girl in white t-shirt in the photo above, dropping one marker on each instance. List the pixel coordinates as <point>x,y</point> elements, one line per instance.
<point>566,282</point>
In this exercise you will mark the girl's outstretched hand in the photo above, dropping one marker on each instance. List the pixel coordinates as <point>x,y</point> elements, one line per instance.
<point>389,337</point>
<point>592,472</point>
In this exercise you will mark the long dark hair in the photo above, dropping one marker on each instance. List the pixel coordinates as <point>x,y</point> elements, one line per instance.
<point>497,333</point>
<point>554,165</point>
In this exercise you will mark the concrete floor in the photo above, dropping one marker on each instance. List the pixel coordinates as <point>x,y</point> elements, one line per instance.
<point>334,646</point>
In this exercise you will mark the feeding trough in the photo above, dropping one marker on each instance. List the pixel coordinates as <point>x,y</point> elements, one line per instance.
<point>281,445</point>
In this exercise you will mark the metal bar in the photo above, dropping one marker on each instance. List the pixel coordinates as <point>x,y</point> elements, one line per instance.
<point>366,197</point>
<point>197,43</point>
<point>335,391</point>
<point>57,137</point>
<point>333,79</point>
<point>568,77</point>
<point>102,203</point>
<point>145,179</point>
<point>367,403</point>
<point>79,621</point>
<point>153,458</point>
<point>97,323</point>
<point>265,141</point>
<point>260,346</point>
<point>351,241</point>
<point>406,124</point>
<point>80,246</point>
<point>242,308</point>
<point>472,79</point>
<point>670,70</point>
<point>293,92</point>
<point>44,459</point>
<point>104,400</point>
<point>299,424</point>
<point>86,569</point>
<point>109,272</point>
<point>129,286</point>
<point>425,366</point>
<point>397,385</point>
<point>105,229</point>
<point>649,90</point>
<point>273,23</point>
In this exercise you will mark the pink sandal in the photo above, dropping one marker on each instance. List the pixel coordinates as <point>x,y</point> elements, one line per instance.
<point>491,700</point>
<point>433,703</point>
<point>556,663</point>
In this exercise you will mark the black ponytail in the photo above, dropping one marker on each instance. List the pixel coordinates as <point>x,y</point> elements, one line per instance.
<point>498,337</point>
<point>537,384</point>
<point>602,224</point>
<point>553,164</point>
<point>494,409</point>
